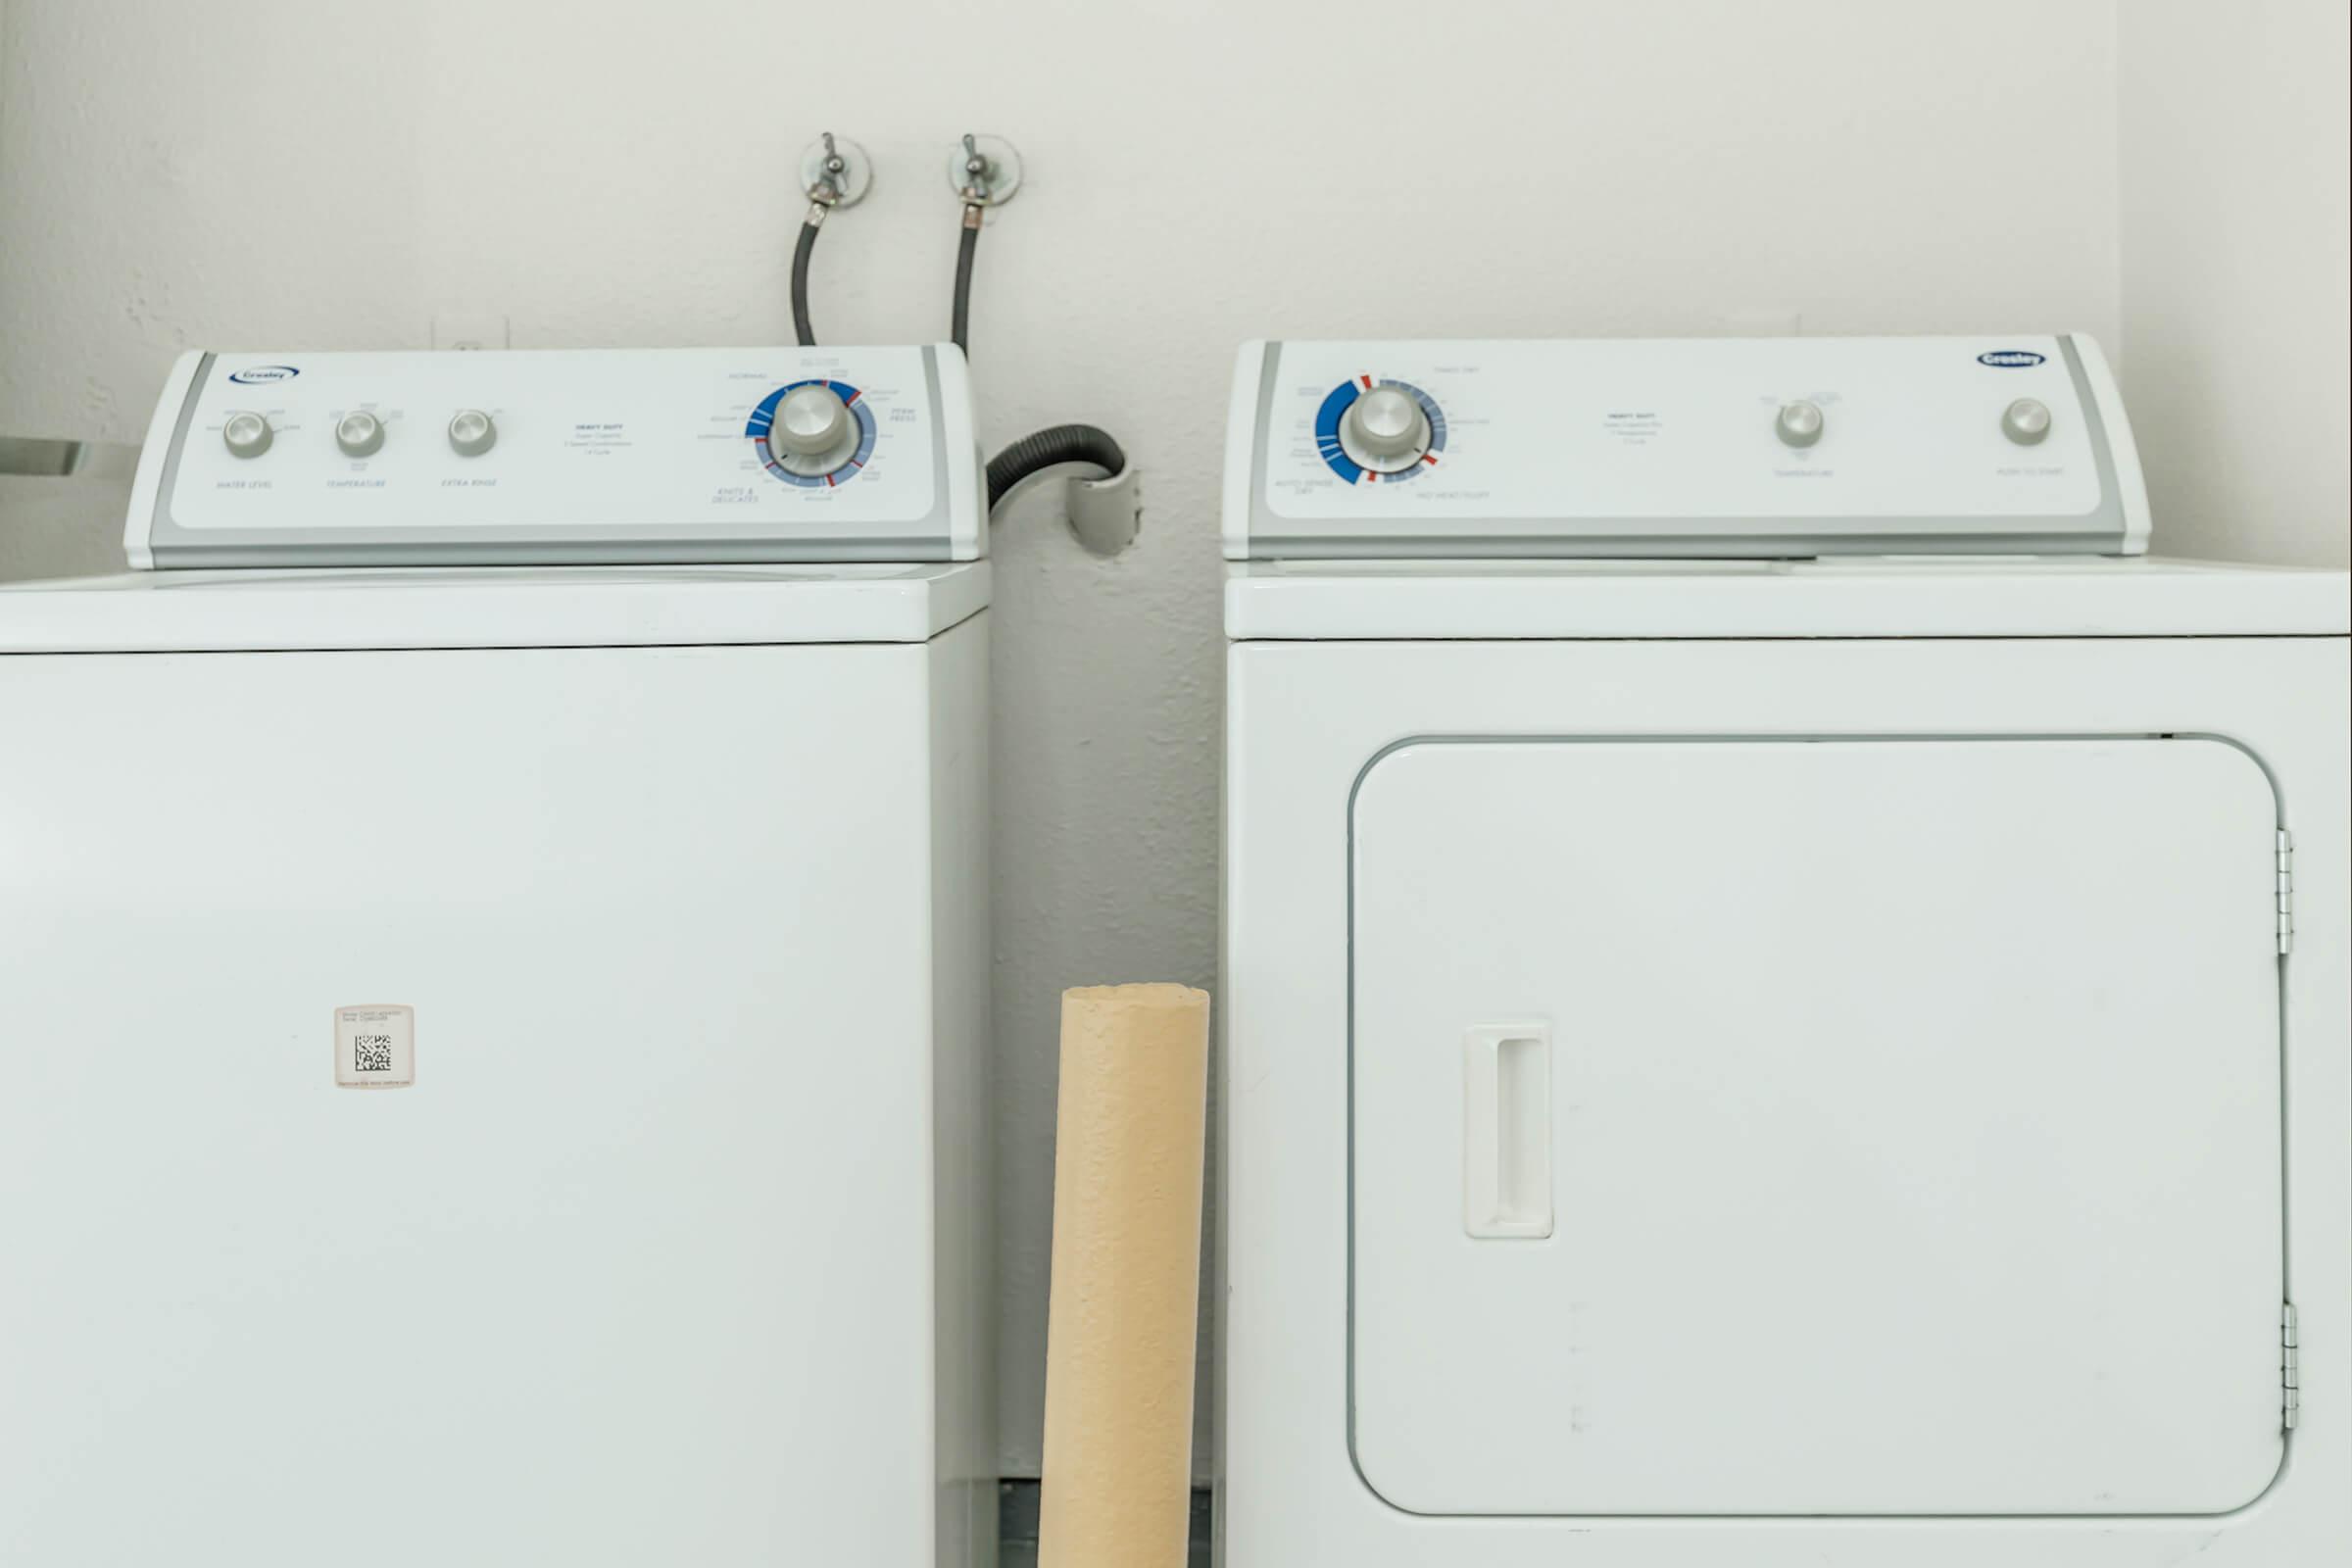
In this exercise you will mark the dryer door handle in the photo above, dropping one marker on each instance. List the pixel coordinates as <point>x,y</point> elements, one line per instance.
<point>1506,1131</point>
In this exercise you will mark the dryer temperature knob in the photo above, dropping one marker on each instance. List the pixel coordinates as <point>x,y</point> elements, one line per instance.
<point>1799,423</point>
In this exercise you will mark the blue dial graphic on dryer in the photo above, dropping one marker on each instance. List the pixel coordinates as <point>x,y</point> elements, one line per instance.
<point>1379,430</point>
<point>814,434</point>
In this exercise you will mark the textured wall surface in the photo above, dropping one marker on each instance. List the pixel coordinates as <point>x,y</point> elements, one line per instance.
<point>279,173</point>
<point>2235,230</point>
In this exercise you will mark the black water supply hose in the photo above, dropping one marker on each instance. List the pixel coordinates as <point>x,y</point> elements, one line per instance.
<point>834,174</point>
<point>801,253</point>
<point>967,250</point>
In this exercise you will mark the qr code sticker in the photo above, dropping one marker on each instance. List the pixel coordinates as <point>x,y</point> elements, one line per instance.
<point>375,1047</point>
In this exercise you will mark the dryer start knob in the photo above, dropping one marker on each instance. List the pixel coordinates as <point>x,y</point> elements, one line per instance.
<point>1388,426</point>
<point>1799,424</point>
<point>2027,421</point>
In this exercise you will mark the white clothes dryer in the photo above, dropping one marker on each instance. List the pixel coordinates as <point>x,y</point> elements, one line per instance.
<point>1827,1045</point>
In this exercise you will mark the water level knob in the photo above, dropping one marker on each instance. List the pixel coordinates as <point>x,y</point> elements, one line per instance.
<point>246,436</point>
<point>1799,424</point>
<point>1386,430</point>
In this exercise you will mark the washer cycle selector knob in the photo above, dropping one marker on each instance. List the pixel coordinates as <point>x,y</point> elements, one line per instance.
<point>1799,423</point>
<point>2025,421</point>
<point>472,433</point>
<point>814,434</point>
<point>359,434</point>
<point>247,435</point>
<point>811,423</point>
<point>1386,429</point>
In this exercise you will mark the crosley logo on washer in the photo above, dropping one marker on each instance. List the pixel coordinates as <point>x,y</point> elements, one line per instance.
<point>264,374</point>
<point>2010,358</point>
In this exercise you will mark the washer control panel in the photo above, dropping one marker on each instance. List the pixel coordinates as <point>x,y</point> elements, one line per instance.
<point>651,455</point>
<point>1771,447</point>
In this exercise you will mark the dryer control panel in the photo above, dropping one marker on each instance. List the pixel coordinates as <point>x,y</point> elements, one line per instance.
<point>1735,447</point>
<point>654,455</point>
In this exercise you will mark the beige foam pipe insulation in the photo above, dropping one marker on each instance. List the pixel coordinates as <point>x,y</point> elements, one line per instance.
<point>1120,1336</point>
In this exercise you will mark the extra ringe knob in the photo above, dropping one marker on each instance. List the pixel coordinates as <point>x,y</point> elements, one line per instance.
<point>471,432</point>
<point>1386,429</point>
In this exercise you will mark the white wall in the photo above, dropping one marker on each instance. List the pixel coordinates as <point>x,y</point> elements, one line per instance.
<point>274,173</point>
<point>2235,221</point>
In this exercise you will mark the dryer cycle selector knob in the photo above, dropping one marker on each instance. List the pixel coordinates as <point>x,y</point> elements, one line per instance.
<point>247,435</point>
<point>1799,424</point>
<point>471,432</point>
<point>812,431</point>
<point>1386,429</point>
<point>359,434</point>
<point>2027,421</point>
<point>1378,432</point>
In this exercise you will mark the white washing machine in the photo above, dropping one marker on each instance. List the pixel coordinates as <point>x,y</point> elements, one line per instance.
<point>1826,1044</point>
<point>495,1053</point>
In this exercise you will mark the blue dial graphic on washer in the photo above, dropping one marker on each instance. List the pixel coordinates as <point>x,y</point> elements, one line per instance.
<point>814,434</point>
<point>1379,430</point>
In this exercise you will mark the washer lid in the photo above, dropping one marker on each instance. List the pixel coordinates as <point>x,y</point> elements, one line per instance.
<point>1829,1127</point>
<point>486,607</point>
<point>1881,597</point>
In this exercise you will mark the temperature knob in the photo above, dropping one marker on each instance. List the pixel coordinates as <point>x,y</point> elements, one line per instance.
<point>246,436</point>
<point>359,434</point>
<point>1799,424</point>
<point>472,433</point>
<point>2025,421</point>
<point>1386,429</point>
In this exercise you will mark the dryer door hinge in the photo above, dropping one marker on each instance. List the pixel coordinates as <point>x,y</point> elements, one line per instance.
<point>2286,891</point>
<point>2290,1369</point>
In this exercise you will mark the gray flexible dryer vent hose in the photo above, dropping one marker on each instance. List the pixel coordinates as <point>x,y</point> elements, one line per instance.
<point>1051,448</point>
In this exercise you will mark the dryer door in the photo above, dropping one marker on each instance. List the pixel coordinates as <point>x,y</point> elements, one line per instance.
<point>1835,1127</point>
